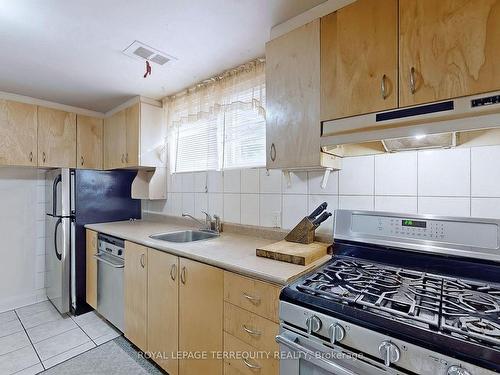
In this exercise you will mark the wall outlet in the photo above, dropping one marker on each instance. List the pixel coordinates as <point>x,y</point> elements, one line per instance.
<point>276,219</point>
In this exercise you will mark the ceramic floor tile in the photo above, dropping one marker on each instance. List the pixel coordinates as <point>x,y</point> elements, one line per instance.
<point>88,318</point>
<point>8,328</point>
<point>50,329</point>
<point>13,342</point>
<point>7,316</point>
<point>97,329</point>
<point>103,339</point>
<point>68,354</point>
<point>18,360</point>
<point>61,343</point>
<point>34,309</point>
<point>41,317</point>
<point>36,369</point>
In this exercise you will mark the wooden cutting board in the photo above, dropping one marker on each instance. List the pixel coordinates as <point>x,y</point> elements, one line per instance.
<point>295,253</point>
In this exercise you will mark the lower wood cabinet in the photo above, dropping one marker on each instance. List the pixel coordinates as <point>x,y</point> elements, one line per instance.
<point>91,268</point>
<point>135,285</point>
<point>200,316</point>
<point>163,309</point>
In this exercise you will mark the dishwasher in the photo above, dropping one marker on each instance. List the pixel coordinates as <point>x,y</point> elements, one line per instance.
<point>110,267</point>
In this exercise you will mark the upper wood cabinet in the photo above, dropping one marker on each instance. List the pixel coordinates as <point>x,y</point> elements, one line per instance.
<point>18,133</point>
<point>134,137</point>
<point>448,49</point>
<point>56,138</point>
<point>135,285</point>
<point>359,59</point>
<point>91,268</point>
<point>293,98</point>
<point>163,308</point>
<point>89,147</point>
<point>200,316</point>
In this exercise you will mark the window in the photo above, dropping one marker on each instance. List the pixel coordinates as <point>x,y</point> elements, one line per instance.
<point>220,124</point>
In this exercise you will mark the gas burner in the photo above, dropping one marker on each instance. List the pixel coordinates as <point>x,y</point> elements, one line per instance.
<point>481,326</point>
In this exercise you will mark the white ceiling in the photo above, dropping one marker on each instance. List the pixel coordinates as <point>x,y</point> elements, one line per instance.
<point>69,52</point>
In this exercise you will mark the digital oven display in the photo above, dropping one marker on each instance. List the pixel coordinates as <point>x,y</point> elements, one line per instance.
<point>414,223</point>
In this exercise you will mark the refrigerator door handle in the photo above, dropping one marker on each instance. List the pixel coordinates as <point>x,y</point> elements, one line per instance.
<point>57,180</point>
<point>58,223</point>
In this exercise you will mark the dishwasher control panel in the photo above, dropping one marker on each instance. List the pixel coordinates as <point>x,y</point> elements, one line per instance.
<point>111,245</point>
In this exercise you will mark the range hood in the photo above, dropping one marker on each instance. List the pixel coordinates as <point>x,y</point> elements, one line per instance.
<point>418,127</point>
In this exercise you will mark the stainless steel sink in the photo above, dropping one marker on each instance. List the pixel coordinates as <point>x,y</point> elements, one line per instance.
<point>185,236</point>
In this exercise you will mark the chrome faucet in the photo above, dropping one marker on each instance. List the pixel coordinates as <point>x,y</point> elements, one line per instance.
<point>211,224</point>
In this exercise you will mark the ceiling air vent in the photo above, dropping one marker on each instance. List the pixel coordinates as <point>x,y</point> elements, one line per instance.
<point>141,51</point>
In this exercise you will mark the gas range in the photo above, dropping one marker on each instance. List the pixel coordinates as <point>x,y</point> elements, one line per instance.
<point>395,296</point>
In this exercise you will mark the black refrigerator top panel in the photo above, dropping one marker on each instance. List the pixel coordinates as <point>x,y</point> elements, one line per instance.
<point>103,196</point>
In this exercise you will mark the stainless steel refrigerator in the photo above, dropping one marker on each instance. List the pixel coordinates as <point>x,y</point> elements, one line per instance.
<point>75,198</point>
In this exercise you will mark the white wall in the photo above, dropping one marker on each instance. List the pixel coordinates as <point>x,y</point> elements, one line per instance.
<point>22,237</point>
<point>456,182</point>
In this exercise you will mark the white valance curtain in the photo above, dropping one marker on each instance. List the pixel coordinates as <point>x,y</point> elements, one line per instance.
<point>219,123</point>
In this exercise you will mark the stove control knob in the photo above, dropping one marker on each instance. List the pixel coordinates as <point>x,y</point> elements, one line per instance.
<point>336,332</point>
<point>313,324</point>
<point>389,352</point>
<point>457,370</point>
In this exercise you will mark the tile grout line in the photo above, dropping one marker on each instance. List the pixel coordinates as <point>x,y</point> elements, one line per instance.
<point>68,351</point>
<point>31,342</point>
<point>86,334</point>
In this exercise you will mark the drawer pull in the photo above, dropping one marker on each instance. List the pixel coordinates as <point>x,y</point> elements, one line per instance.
<point>251,331</point>
<point>251,365</point>
<point>254,300</point>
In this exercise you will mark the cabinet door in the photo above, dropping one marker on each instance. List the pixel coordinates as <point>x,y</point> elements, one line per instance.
<point>359,59</point>
<point>200,316</point>
<point>448,48</point>
<point>115,137</point>
<point>293,98</point>
<point>163,307</point>
<point>18,138</point>
<point>135,293</point>
<point>89,134</point>
<point>133,122</point>
<point>56,138</point>
<point>91,268</point>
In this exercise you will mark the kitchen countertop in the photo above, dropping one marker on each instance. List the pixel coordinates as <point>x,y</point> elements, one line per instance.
<point>230,251</point>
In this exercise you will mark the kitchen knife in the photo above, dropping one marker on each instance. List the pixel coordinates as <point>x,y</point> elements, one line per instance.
<point>320,219</point>
<point>318,210</point>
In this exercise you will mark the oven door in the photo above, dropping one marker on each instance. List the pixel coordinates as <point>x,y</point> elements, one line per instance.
<point>303,356</point>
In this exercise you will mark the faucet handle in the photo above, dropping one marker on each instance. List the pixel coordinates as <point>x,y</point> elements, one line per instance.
<point>207,215</point>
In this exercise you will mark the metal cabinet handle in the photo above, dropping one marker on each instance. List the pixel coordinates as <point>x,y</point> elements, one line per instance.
<point>251,331</point>
<point>123,158</point>
<point>43,157</point>
<point>173,272</point>
<point>143,260</point>
<point>272,152</point>
<point>31,157</point>
<point>126,158</point>
<point>412,80</point>
<point>252,299</point>
<point>250,365</point>
<point>382,87</point>
<point>82,161</point>
<point>183,275</point>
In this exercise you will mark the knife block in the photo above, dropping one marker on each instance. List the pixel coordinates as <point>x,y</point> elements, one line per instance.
<point>302,233</point>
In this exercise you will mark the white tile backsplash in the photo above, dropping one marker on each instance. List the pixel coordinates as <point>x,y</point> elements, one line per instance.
<point>200,182</point>
<point>187,182</point>
<point>200,204</point>
<point>356,202</point>
<point>314,183</point>
<point>270,210</point>
<point>294,209</point>
<point>232,181</point>
<point>444,173</point>
<point>485,207</point>
<point>485,180</point>
<point>396,174</point>
<point>357,176</point>
<point>270,181</point>
<point>396,204</point>
<point>215,182</point>
<point>295,184</point>
<point>232,208</point>
<point>216,204</point>
<point>445,206</point>
<point>250,181</point>
<point>249,209</point>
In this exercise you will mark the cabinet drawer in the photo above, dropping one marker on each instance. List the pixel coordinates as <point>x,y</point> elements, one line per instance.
<point>256,363</point>
<point>256,296</point>
<point>250,328</point>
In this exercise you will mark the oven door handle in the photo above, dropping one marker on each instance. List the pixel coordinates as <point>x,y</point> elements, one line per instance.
<point>114,265</point>
<point>311,356</point>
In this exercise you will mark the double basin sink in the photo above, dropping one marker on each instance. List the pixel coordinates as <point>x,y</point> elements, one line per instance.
<point>185,236</point>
